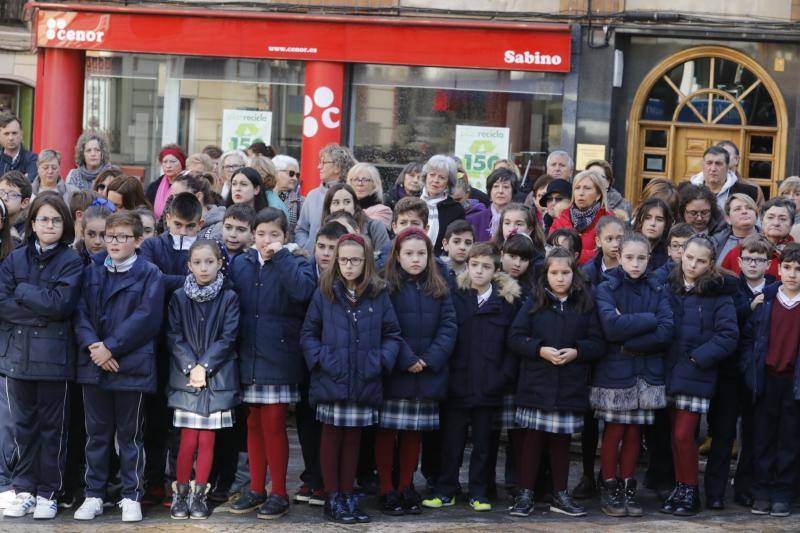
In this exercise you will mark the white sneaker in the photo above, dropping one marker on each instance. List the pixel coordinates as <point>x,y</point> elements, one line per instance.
<point>91,508</point>
<point>45,509</point>
<point>23,504</point>
<point>7,498</point>
<point>131,510</point>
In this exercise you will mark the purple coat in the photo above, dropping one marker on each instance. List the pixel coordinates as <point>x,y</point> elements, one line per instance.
<point>482,223</point>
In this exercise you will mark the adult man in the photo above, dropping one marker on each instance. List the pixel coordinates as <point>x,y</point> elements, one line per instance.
<point>14,155</point>
<point>733,153</point>
<point>560,165</point>
<point>719,178</point>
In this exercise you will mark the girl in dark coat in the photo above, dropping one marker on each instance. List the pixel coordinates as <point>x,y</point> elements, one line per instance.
<point>204,380</point>
<point>350,339</point>
<point>421,299</point>
<point>706,333</point>
<point>555,336</point>
<point>653,219</point>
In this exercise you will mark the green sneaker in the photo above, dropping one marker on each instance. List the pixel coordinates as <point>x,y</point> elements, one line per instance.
<point>479,506</point>
<point>437,502</point>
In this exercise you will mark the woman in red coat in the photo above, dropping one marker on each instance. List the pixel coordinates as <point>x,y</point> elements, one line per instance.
<point>587,207</point>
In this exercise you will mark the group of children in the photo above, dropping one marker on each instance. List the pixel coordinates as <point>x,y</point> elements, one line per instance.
<point>508,334</point>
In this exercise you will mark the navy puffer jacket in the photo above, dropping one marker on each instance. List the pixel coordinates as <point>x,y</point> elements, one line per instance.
<point>428,327</point>
<point>171,262</point>
<point>349,349</point>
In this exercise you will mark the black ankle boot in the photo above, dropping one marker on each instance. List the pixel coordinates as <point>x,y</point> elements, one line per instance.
<point>351,501</point>
<point>180,501</point>
<point>632,505</point>
<point>689,505</point>
<point>671,503</point>
<point>612,497</point>
<point>199,508</point>
<point>336,509</point>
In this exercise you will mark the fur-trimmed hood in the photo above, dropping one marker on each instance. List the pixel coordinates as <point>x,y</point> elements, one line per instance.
<point>507,286</point>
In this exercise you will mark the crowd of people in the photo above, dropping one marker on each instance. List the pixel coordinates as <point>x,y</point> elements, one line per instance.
<point>153,341</point>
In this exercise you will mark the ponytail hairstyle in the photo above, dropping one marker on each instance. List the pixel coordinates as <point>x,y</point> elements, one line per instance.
<point>579,296</point>
<point>709,282</point>
<point>610,220</point>
<point>535,230</point>
<point>432,282</point>
<point>367,283</point>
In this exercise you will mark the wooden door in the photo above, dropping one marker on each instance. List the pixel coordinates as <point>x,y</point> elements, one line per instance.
<point>690,143</point>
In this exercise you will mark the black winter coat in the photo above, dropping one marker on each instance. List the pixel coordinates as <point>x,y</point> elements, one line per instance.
<point>172,263</point>
<point>449,211</point>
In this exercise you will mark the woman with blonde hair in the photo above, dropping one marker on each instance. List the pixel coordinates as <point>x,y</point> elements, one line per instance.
<point>366,181</point>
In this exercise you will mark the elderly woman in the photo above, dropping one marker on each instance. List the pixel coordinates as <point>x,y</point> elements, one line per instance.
<point>440,176</point>
<point>335,162</point>
<point>229,163</point>
<point>91,158</point>
<point>199,162</point>
<point>408,183</point>
<point>502,186</point>
<point>366,182</point>
<point>172,160</point>
<point>588,206</point>
<point>616,202</point>
<point>49,178</point>
<point>286,183</point>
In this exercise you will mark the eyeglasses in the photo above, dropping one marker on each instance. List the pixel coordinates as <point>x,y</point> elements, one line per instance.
<point>755,260</point>
<point>8,195</point>
<point>322,163</point>
<point>361,181</point>
<point>675,246</point>
<point>292,173</point>
<point>231,168</point>
<point>705,213</point>
<point>355,261</point>
<point>57,222</point>
<point>121,239</point>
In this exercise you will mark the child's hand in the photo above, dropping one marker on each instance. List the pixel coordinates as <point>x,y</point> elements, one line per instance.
<point>110,366</point>
<point>567,355</point>
<point>272,249</point>
<point>197,377</point>
<point>416,368</point>
<point>99,354</point>
<point>550,354</point>
<point>758,300</point>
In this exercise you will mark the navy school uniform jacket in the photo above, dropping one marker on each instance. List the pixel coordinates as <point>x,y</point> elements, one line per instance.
<point>38,295</point>
<point>482,368</point>
<point>172,263</point>
<point>541,384</point>
<point>204,333</point>
<point>124,311</point>
<point>349,349</point>
<point>662,273</point>
<point>273,299</point>
<point>428,327</point>
<point>637,322</point>
<point>593,271</point>
<point>706,333</point>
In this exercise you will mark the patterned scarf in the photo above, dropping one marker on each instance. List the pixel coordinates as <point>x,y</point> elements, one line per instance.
<point>83,178</point>
<point>202,293</point>
<point>583,218</point>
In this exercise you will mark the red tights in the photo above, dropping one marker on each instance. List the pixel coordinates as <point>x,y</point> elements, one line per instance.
<point>267,444</point>
<point>202,442</point>
<point>534,442</point>
<point>338,457</point>
<point>621,443</point>
<point>410,443</point>
<point>684,446</point>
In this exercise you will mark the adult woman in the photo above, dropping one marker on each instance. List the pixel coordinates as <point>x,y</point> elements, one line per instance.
<point>247,188</point>
<point>286,182</point>
<point>409,182</point>
<point>342,197</point>
<point>587,207</point>
<point>104,179</point>
<point>366,182</point>
<point>266,169</point>
<point>199,162</point>
<point>172,161</point>
<point>502,186</point>
<point>614,199</point>
<point>126,192</point>
<point>229,163</point>
<point>48,177</point>
<point>91,157</point>
<point>697,206</point>
<point>440,177</point>
<point>789,188</point>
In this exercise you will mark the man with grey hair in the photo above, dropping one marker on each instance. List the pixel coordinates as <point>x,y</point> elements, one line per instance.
<point>560,165</point>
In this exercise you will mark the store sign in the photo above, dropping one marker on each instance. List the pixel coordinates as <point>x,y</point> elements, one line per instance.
<point>241,128</point>
<point>250,34</point>
<point>479,147</point>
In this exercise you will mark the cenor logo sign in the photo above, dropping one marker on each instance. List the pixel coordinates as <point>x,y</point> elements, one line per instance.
<point>56,29</point>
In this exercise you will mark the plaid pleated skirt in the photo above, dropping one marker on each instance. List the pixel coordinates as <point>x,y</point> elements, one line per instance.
<point>639,417</point>
<point>215,420</point>
<point>409,415</point>
<point>347,414</point>
<point>693,404</point>
<point>563,422</point>
<point>271,394</point>
<point>506,417</point>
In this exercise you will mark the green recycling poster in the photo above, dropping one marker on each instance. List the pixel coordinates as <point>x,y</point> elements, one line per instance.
<point>241,128</point>
<point>479,147</point>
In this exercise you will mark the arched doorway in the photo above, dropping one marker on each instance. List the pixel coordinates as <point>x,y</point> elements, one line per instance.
<point>697,98</point>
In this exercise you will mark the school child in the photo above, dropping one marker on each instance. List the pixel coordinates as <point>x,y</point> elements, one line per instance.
<point>609,233</point>
<point>39,288</point>
<point>7,242</point>
<point>204,375</point>
<point>565,238</point>
<point>120,300</point>
<point>517,257</point>
<point>8,448</point>
<point>421,299</point>
<point>769,364</point>
<point>325,247</point>
<point>93,230</point>
<point>16,192</point>
<point>79,201</point>
<point>556,335</point>
<point>350,338</point>
<point>628,381</point>
<point>481,369</point>
<point>676,240</point>
<point>653,219</point>
<point>148,221</point>
<point>517,218</point>
<point>409,212</point>
<point>706,333</point>
<point>237,229</point>
<point>274,288</point>
<point>458,239</point>
<point>731,397</point>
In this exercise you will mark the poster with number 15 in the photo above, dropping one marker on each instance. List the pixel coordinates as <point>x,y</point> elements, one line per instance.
<point>479,147</point>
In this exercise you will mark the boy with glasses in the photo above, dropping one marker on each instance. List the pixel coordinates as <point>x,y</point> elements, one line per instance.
<point>16,192</point>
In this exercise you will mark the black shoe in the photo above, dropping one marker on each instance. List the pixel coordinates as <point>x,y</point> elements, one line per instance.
<point>198,509</point>
<point>179,510</point>
<point>411,500</point>
<point>351,500</point>
<point>715,504</point>
<point>368,485</point>
<point>247,502</point>
<point>219,495</point>
<point>671,502</point>
<point>761,507</point>
<point>585,489</point>
<point>336,509</point>
<point>275,507</point>
<point>689,505</point>
<point>780,509</point>
<point>632,505</point>
<point>613,500</point>
<point>745,500</point>
<point>523,504</point>
<point>390,504</point>
<point>562,503</point>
